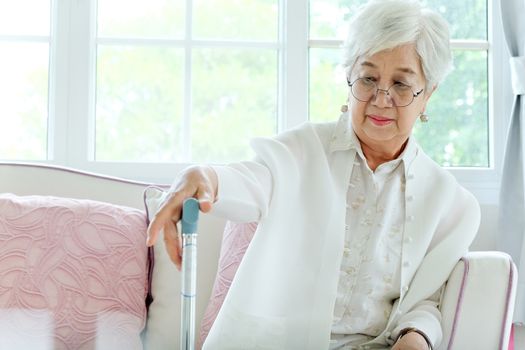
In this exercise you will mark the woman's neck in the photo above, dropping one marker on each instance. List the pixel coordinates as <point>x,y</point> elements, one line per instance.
<point>375,156</point>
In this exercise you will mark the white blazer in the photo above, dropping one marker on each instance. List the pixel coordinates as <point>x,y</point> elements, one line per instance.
<point>283,294</point>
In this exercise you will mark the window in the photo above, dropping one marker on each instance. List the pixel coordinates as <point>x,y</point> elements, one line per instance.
<point>139,89</point>
<point>179,84</point>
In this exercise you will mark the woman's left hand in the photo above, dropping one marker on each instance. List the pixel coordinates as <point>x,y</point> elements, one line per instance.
<point>411,341</point>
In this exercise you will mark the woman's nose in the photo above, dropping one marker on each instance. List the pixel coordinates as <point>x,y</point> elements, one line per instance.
<point>382,99</point>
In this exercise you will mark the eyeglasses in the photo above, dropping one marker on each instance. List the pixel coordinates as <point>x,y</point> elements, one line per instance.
<point>365,89</point>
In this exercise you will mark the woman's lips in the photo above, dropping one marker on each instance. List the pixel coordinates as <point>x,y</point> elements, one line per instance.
<point>379,120</point>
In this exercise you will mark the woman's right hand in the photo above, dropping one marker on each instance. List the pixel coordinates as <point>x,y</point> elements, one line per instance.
<point>199,182</point>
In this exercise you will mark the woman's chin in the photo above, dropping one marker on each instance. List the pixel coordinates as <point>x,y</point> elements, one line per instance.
<point>383,133</point>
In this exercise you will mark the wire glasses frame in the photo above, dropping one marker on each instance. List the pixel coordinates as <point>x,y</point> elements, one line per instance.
<point>364,90</point>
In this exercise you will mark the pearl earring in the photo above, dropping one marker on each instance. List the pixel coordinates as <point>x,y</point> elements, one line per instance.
<point>423,117</point>
<point>344,108</point>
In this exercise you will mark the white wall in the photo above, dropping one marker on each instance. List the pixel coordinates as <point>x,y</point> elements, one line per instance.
<point>487,234</point>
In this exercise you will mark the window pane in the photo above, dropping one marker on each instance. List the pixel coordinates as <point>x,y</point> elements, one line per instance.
<point>328,18</point>
<point>328,87</point>
<point>139,104</point>
<point>24,91</point>
<point>233,19</point>
<point>139,18</point>
<point>24,17</point>
<point>234,99</point>
<point>467,18</point>
<point>457,132</point>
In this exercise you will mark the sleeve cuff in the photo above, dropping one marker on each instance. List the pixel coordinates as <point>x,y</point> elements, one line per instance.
<point>232,201</point>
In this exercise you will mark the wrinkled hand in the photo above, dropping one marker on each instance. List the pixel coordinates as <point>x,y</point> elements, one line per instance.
<point>411,341</point>
<point>199,182</point>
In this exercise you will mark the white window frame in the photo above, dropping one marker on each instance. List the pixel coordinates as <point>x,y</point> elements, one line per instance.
<point>72,91</point>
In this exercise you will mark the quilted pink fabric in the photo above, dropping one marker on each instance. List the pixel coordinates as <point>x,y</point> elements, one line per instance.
<point>235,241</point>
<point>73,274</point>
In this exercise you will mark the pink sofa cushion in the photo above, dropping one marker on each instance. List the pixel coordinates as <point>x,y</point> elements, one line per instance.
<point>235,241</point>
<point>73,273</point>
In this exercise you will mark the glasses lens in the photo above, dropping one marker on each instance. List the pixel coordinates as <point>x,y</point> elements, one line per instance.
<point>401,94</point>
<point>364,89</point>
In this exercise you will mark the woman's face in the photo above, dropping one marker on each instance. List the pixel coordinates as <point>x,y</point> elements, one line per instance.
<point>379,122</point>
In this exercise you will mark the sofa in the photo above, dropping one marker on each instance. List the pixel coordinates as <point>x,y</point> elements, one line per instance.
<point>77,274</point>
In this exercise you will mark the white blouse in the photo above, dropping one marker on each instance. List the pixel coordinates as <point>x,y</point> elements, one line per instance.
<point>369,279</point>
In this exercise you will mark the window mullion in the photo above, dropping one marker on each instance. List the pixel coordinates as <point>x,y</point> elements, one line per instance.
<point>482,45</point>
<point>82,77</point>
<point>455,44</point>
<point>187,114</point>
<point>58,82</point>
<point>294,63</point>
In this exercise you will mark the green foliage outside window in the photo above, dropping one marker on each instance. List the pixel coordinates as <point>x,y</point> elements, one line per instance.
<point>234,99</point>
<point>24,95</point>
<point>139,104</point>
<point>233,91</point>
<point>141,90</point>
<point>467,18</point>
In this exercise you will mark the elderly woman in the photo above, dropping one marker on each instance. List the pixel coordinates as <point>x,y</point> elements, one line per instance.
<point>358,228</point>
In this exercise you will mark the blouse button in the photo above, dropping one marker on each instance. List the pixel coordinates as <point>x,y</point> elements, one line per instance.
<point>410,198</point>
<point>410,176</point>
<point>408,240</point>
<point>406,264</point>
<point>410,218</point>
<point>388,334</point>
<point>405,289</point>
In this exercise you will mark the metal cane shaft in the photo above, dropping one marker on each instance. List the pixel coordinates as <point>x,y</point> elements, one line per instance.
<point>190,216</point>
<point>188,290</point>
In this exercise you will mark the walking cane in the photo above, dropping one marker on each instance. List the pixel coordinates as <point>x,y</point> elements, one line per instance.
<point>190,216</point>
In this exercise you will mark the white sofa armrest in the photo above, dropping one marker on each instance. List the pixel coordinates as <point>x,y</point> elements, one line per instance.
<point>478,302</point>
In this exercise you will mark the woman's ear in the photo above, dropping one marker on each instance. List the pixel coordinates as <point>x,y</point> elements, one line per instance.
<point>429,93</point>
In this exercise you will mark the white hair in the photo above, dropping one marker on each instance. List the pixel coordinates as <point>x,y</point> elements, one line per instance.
<point>385,24</point>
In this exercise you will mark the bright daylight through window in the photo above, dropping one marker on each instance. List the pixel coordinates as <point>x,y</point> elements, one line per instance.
<point>172,88</point>
<point>24,49</point>
<point>193,81</point>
